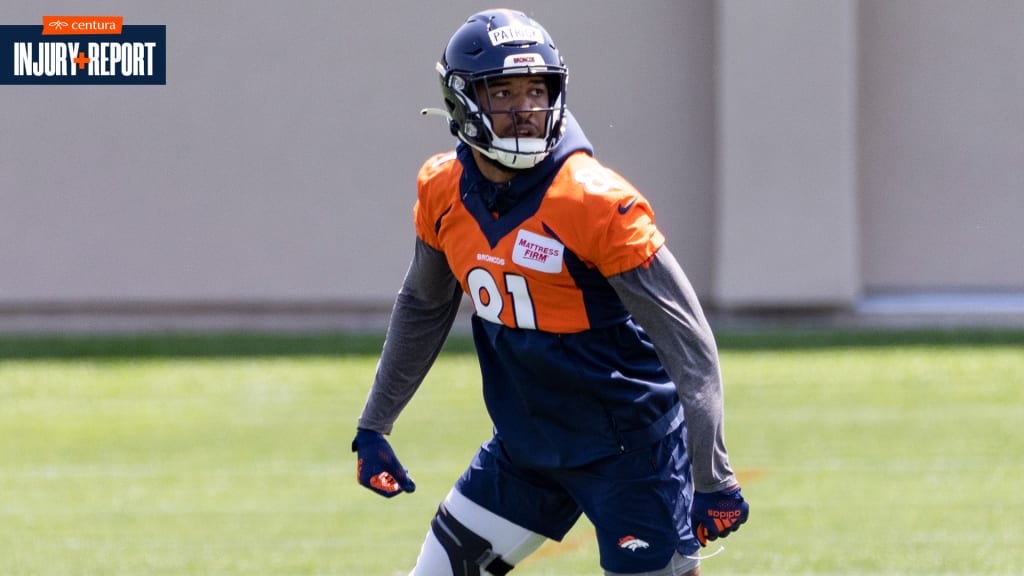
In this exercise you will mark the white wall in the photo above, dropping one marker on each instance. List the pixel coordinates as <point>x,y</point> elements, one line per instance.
<point>798,152</point>
<point>786,154</point>
<point>278,163</point>
<point>942,145</point>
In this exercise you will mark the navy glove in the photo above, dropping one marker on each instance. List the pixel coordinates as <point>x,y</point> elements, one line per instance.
<point>378,468</point>
<point>718,514</point>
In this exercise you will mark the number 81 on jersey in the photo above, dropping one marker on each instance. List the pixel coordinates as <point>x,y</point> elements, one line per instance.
<point>489,302</point>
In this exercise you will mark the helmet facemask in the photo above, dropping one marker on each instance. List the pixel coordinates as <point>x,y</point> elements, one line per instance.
<point>502,44</point>
<point>514,150</point>
<point>472,121</point>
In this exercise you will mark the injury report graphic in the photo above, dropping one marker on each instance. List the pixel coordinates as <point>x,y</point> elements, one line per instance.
<point>83,50</point>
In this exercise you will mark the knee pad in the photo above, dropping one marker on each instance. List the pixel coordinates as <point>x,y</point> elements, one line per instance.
<point>445,553</point>
<point>467,551</point>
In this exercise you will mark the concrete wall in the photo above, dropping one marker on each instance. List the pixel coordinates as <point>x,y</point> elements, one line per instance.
<point>941,120</point>
<point>786,154</point>
<point>279,161</point>
<point>797,152</point>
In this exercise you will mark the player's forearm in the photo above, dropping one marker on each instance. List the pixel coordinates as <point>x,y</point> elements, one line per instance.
<point>423,314</point>
<point>662,300</point>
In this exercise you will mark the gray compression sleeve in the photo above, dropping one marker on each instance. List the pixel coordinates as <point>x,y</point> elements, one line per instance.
<point>662,300</point>
<point>424,311</point>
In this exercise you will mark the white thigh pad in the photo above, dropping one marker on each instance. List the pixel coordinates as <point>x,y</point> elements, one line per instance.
<point>510,541</point>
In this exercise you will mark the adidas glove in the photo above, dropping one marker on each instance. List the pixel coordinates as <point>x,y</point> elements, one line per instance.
<point>718,514</point>
<point>378,468</point>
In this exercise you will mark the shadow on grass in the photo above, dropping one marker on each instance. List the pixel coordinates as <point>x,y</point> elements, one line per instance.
<point>226,345</point>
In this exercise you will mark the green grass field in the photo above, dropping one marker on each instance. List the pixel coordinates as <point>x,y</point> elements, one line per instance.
<point>886,453</point>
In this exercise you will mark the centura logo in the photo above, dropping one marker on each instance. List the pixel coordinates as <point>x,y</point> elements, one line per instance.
<point>632,543</point>
<point>66,25</point>
<point>82,50</point>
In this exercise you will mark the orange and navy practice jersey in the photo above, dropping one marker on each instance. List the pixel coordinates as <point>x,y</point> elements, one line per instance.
<point>568,376</point>
<point>542,265</point>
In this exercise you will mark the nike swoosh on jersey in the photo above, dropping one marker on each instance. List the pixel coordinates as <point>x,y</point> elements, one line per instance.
<point>624,209</point>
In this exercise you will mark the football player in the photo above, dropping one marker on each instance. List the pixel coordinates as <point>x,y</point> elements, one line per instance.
<point>599,370</point>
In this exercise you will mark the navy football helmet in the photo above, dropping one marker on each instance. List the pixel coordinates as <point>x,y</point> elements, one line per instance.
<point>500,43</point>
